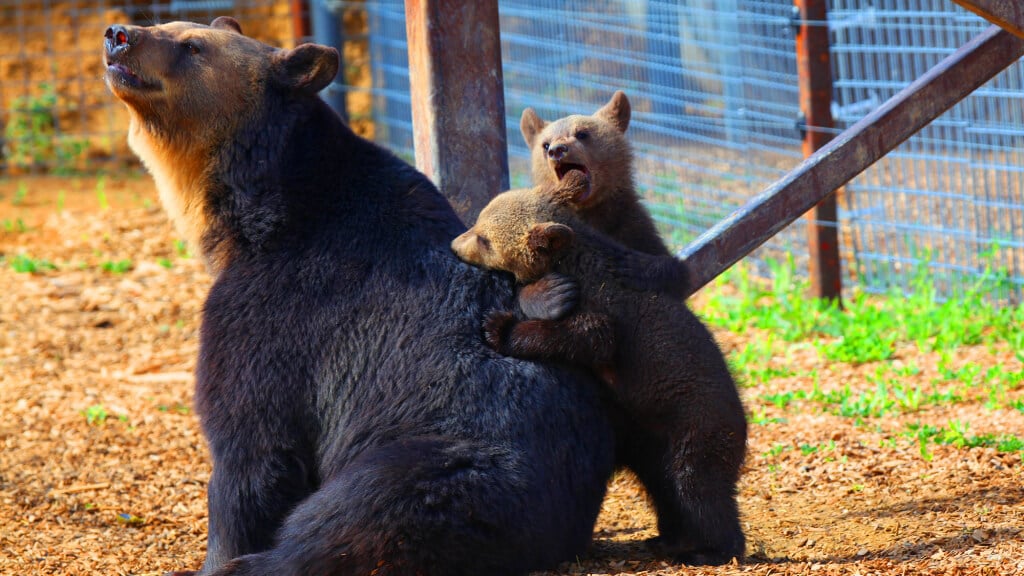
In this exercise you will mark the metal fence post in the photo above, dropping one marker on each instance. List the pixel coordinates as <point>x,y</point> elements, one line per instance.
<point>814,69</point>
<point>458,104</point>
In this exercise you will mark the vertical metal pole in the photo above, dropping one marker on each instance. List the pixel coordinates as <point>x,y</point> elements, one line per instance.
<point>458,103</point>
<point>814,67</point>
<point>327,31</point>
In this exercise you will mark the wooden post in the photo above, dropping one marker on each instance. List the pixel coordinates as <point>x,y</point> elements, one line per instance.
<point>814,69</point>
<point>850,152</point>
<point>458,103</point>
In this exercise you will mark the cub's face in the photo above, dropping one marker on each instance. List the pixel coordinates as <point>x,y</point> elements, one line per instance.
<point>595,145</point>
<point>512,234</point>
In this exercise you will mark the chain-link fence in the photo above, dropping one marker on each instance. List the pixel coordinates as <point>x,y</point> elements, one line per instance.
<point>714,90</point>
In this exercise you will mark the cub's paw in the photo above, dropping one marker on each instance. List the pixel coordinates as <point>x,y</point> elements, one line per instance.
<point>550,298</point>
<point>497,327</point>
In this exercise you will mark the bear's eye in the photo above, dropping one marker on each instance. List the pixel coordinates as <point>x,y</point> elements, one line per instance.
<point>582,135</point>
<point>545,145</point>
<point>191,47</point>
<point>483,242</point>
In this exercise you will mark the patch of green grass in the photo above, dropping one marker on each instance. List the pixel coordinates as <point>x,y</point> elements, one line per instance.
<point>955,434</point>
<point>181,249</point>
<point>16,225</point>
<point>117,266</point>
<point>25,264</point>
<point>165,262</point>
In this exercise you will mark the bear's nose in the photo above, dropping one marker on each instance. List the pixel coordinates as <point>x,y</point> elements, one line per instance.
<point>118,38</point>
<point>557,152</point>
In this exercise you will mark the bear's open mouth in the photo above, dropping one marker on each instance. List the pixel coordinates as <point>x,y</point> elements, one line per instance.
<point>563,168</point>
<point>122,76</point>
<point>575,183</point>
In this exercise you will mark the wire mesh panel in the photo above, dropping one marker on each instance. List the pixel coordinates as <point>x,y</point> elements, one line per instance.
<point>714,92</point>
<point>951,197</point>
<point>55,112</point>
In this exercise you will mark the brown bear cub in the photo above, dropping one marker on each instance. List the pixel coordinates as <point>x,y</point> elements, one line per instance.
<point>597,146</point>
<point>680,419</point>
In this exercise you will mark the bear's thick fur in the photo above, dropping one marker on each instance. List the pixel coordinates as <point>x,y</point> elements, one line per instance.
<point>681,424</point>
<point>357,422</point>
<point>597,146</point>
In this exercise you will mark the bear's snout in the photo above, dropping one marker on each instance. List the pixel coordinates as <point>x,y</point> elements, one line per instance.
<point>119,38</point>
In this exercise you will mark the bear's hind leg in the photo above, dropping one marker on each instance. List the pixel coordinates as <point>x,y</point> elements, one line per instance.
<point>695,503</point>
<point>417,506</point>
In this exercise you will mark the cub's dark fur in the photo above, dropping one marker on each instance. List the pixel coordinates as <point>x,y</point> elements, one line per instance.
<point>680,421</point>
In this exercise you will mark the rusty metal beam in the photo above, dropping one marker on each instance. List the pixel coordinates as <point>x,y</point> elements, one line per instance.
<point>851,152</point>
<point>458,103</point>
<point>1009,14</point>
<point>814,70</point>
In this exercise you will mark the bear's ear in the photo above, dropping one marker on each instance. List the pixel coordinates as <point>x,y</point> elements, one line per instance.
<point>549,238</point>
<point>617,111</point>
<point>530,125</point>
<point>226,23</point>
<point>308,68</point>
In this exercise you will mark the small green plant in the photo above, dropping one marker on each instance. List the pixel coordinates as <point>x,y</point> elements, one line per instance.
<point>20,194</point>
<point>165,263</point>
<point>117,266</point>
<point>25,264</point>
<point>95,414</point>
<point>181,248</point>
<point>101,193</point>
<point>32,135</point>
<point>16,226</point>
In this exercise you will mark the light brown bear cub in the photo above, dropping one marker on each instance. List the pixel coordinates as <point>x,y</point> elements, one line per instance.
<point>679,418</point>
<point>597,146</point>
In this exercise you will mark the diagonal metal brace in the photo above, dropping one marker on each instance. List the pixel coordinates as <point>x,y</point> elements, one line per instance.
<point>850,152</point>
<point>1008,14</point>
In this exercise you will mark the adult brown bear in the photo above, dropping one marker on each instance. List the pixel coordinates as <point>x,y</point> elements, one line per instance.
<point>358,423</point>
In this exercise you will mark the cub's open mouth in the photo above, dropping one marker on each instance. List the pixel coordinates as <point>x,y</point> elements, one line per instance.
<point>563,168</point>
<point>121,76</point>
<point>575,183</point>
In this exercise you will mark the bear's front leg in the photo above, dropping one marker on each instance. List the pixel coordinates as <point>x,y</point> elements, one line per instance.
<point>251,491</point>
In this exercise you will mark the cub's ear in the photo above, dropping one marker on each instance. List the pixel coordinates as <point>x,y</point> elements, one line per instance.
<point>308,68</point>
<point>549,238</point>
<point>530,125</point>
<point>226,23</point>
<point>617,111</point>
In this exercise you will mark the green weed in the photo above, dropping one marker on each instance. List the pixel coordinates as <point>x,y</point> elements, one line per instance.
<point>117,266</point>
<point>32,136</point>
<point>25,264</point>
<point>15,226</point>
<point>95,414</point>
<point>101,193</point>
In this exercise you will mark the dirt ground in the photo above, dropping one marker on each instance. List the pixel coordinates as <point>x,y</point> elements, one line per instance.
<point>103,469</point>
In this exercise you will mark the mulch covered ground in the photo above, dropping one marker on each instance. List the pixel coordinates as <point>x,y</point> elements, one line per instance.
<point>103,469</point>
